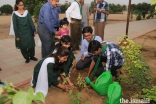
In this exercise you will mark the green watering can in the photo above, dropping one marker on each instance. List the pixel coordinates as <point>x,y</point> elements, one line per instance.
<point>102,83</point>
<point>114,93</point>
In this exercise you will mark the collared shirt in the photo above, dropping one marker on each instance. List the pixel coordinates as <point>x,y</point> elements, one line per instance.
<point>85,13</point>
<point>73,11</point>
<point>49,16</point>
<point>84,46</point>
<point>114,55</point>
<point>101,17</point>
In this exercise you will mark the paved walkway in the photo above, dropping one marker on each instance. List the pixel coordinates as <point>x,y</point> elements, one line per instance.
<point>16,71</point>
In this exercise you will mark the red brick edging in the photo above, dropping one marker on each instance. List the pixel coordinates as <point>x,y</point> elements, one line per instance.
<point>23,83</point>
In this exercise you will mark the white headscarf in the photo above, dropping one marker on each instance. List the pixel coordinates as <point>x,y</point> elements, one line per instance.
<point>42,80</point>
<point>11,25</point>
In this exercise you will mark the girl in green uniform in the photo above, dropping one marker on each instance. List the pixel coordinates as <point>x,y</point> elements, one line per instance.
<point>47,70</point>
<point>24,30</point>
<point>66,42</point>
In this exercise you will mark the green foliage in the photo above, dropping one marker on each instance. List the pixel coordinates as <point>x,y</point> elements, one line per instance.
<point>151,15</point>
<point>131,14</point>
<point>149,93</point>
<point>153,2</point>
<point>116,8</point>
<point>30,4</point>
<point>81,83</point>
<point>37,10</point>
<point>143,8</point>
<point>136,72</point>
<point>75,99</point>
<point>17,96</point>
<point>64,80</point>
<point>92,5</point>
<point>64,7</point>
<point>113,8</point>
<point>138,17</point>
<point>7,9</point>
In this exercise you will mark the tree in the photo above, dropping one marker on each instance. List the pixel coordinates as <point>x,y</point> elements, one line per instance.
<point>37,10</point>
<point>30,4</point>
<point>143,8</point>
<point>116,8</point>
<point>7,9</point>
<point>64,7</point>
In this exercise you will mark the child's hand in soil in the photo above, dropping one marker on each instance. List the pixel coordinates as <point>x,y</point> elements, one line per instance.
<point>66,88</point>
<point>74,63</point>
<point>71,85</point>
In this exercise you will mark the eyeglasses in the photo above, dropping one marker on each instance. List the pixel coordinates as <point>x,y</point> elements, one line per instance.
<point>87,36</point>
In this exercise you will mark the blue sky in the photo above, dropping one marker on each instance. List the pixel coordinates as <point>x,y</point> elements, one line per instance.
<point>12,2</point>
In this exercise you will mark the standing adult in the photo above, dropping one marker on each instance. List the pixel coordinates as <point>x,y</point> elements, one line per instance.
<point>48,25</point>
<point>102,11</point>
<point>85,14</point>
<point>74,16</point>
<point>24,30</point>
<point>84,56</point>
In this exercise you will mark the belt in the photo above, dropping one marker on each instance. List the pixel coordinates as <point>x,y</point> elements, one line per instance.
<point>75,19</point>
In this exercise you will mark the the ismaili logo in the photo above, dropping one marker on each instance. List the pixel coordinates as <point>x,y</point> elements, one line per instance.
<point>132,100</point>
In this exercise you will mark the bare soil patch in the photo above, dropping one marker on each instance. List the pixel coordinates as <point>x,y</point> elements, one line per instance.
<point>57,96</point>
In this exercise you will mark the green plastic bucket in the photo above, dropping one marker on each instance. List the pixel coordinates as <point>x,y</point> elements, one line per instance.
<point>114,93</point>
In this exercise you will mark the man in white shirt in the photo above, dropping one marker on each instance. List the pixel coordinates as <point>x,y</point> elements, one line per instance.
<point>74,16</point>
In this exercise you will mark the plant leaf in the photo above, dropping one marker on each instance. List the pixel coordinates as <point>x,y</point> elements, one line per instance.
<point>31,92</point>
<point>70,92</point>
<point>39,97</point>
<point>4,99</point>
<point>22,98</point>
<point>78,95</point>
<point>1,90</point>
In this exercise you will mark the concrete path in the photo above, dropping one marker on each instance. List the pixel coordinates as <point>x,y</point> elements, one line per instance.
<point>136,28</point>
<point>15,70</point>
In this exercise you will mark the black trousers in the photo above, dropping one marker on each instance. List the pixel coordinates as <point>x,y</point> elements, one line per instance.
<point>29,52</point>
<point>101,68</point>
<point>83,64</point>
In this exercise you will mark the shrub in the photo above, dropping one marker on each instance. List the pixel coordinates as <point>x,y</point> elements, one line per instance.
<point>37,11</point>
<point>136,72</point>
<point>150,93</point>
<point>138,17</point>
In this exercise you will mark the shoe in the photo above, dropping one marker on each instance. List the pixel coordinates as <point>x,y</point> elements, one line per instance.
<point>0,69</point>
<point>33,58</point>
<point>27,60</point>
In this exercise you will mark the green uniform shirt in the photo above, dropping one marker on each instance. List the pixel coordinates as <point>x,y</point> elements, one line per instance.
<point>68,63</point>
<point>23,27</point>
<point>52,75</point>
